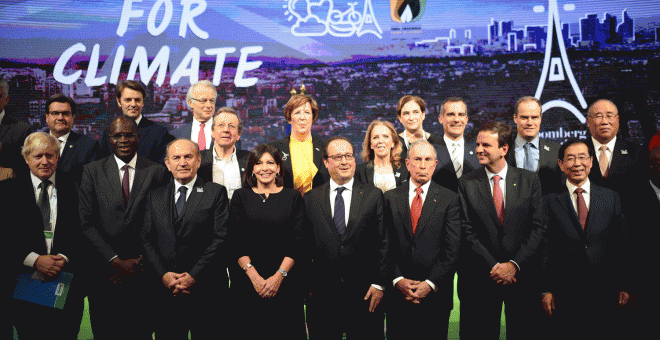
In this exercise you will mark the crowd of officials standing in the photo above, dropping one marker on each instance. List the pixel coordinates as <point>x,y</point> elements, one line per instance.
<point>153,225</point>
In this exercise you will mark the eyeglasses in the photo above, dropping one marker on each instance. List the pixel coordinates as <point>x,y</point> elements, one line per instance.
<point>118,136</point>
<point>599,117</point>
<point>339,158</point>
<point>63,113</point>
<point>204,101</point>
<point>570,160</point>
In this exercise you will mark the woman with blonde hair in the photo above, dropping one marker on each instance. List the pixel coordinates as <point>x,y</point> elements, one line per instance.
<point>381,153</point>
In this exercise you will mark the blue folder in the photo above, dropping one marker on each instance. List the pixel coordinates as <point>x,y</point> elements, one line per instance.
<point>51,293</point>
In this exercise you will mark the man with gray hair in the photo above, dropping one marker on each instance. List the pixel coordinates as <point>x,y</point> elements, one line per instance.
<point>12,135</point>
<point>200,98</point>
<point>46,239</point>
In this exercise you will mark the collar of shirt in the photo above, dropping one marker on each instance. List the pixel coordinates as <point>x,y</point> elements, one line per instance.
<point>586,186</point>
<point>334,186</point>
<point>36,181</point>
<point>232,158</point>
<point>62,140</point>
<point>656,189</point>
<point>520,142</point>
<point>450,142</point>
<point>138,119</point>
<point>188,185</point>
<point>412,192</point>
<point>502,173</point>
<point>610,147</point>
<point>121,163</point>
<point>2,116</point>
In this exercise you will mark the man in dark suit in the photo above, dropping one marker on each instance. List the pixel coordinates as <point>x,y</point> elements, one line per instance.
<point>347,244</point>
<point>224,163</point>
<point>12,135</point>
<point>503,226</point>
<point>456,156</point>
<point>112,206</point>
<point>586,244</point>
<point>153,137</point>
<point>201,99</point>
<point>423,220</point>
<point>411,112</point>
<point>76,150</point>
<point>618,164</point>
<point>184,231</point>
<point>45,238</point>
<point>531,152</point>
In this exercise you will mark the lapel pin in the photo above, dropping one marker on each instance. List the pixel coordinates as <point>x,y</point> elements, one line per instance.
<point>200,189</point>
<point>624,152</point>
<point>285,156</point>
<point>547,148</point>
<point>398,174</point>
<point>243,169</point>
<point>514,184</point>
<point>471,152</point>
<point>434,200</point>
<point>317,149</point>
<point>70,146</point>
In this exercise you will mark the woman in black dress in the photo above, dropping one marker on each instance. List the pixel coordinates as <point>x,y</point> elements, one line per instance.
<point>382,165</point>
<point>266,223</point>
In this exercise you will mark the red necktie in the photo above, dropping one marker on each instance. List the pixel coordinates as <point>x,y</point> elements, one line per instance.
<point>201,137</point>
<point>581,207</point>
<point>416,209</point>
<point>498,198</point>
<point>124,183</point>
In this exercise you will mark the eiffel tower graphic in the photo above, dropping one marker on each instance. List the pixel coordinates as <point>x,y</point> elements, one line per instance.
<point>369,23</point>
<point>557,69</point>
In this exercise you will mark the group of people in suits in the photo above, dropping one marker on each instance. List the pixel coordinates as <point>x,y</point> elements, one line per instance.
<point>154,224</point>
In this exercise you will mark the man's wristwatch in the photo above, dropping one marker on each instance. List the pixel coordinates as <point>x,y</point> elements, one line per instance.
<point>284,272</point>
<point>249,265</point>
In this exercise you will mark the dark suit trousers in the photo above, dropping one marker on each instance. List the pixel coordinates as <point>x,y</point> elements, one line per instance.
<point>117,310</point>
<point>481,310</point>
<point>585,315</point>
<point>344,310</point>
<point>406,320</point>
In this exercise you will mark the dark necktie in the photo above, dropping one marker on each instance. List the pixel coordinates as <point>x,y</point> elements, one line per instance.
<point>581,207</point>
<point>498,198</point>
<point>44,204</point>
<point>416,209</point>
<point>201,137</point>
<point>529,159</point>
<point>125,185</point>
<point>340,211</point>
<point>182,200</point>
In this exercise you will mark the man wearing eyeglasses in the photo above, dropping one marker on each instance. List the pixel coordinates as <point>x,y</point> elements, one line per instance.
<point>586,276</point>
<point>531,152</point>
<point>131,96</point>
<point>347,246</point>
<point>112,197</point>
<point>201,99</point>
<point>76,150</point>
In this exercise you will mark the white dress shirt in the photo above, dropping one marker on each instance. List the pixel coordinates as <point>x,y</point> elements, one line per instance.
<point>227,172</point>
<point>656,189</point>
<point>188,185</point>
<point>460,153</point>
<point>2,115</point>
<point>194,131</point>
<point>131,171</point>
<point>519,151</point>
<point>502,182</point>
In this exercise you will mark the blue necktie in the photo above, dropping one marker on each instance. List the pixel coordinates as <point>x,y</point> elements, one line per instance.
<point>181,201</point>
<point>340,211</point>
<point>529,159</point>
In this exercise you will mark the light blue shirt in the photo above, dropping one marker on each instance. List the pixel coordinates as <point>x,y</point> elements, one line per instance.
<point>520,152</point>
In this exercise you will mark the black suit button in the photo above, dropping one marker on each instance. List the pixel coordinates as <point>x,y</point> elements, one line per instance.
<point>341,247</point>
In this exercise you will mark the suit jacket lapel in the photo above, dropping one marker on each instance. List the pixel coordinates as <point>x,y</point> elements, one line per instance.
<point>404,210</point>
<point>111,170</point>
<point>318,152</point>
<point>566,202</point>
<point>356,204</point>
<point>191,203</point>
<point>487,195</point>
<point>596,209</point>
<point>370,173</point>
<point>512,183</point>
<point>444,158</point>
<point>68,147</point>
<point>139,181</point>
<point>166,203</point>
<point>327,212</point>
<point>617,157</point>
<point>430,203</point>
<point>286,155</point>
